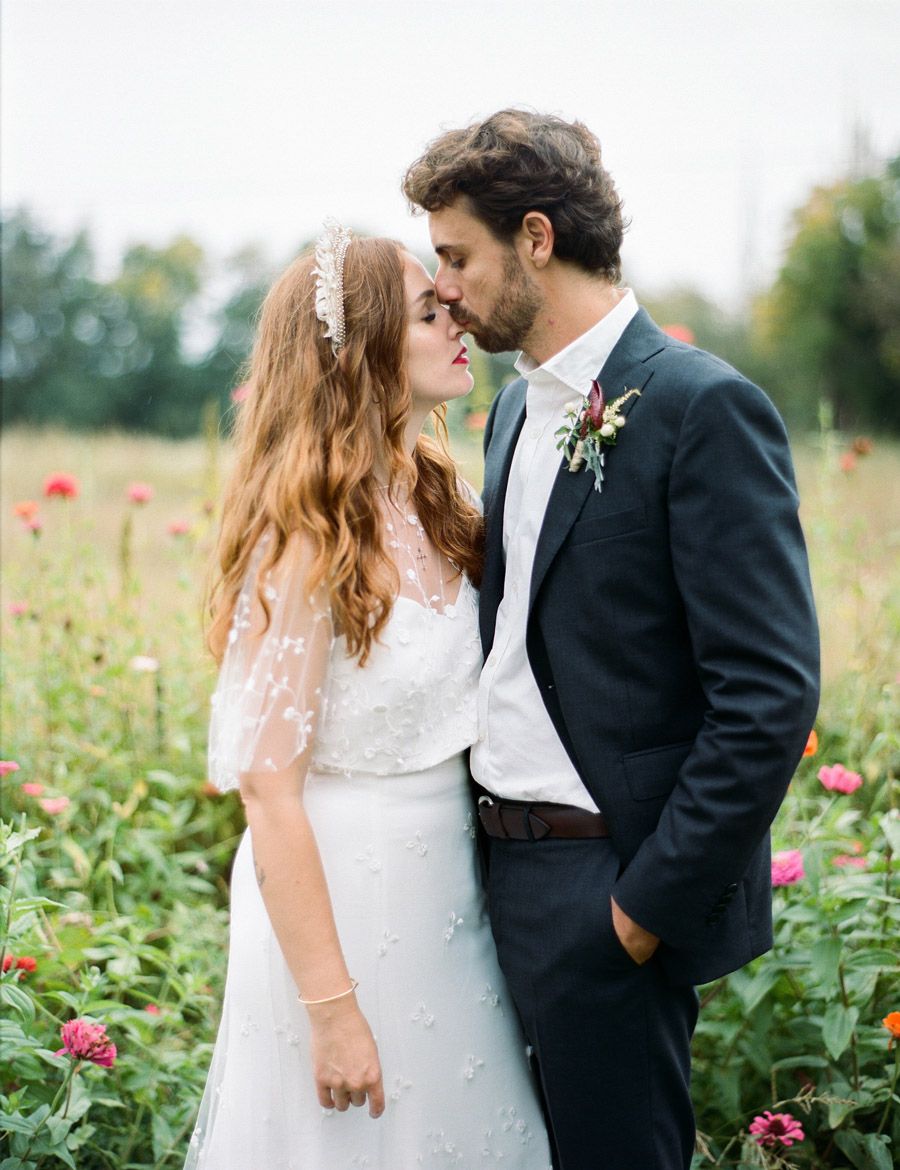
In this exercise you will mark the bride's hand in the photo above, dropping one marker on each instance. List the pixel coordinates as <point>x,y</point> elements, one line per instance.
<point>345,1060</point>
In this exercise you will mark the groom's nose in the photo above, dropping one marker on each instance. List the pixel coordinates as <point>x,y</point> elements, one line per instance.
<point>446,287</point>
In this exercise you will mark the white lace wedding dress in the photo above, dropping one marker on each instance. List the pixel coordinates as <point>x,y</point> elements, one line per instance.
<point>388,800</point>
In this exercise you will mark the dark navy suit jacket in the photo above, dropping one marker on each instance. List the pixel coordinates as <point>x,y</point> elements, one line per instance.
<point>673,639</point>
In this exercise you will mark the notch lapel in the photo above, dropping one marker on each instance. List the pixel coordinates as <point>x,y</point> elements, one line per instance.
<point>505,436</point>
<point>623,370</point>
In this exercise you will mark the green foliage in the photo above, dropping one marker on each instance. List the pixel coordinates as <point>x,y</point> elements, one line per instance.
<point>833,316</point>
<point>120,897</point>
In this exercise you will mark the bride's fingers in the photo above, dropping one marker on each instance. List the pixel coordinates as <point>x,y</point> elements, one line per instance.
<point>376,1098</point>
<point>341,1100</point>
<point>358,1097</point>
<point>325,1098</point>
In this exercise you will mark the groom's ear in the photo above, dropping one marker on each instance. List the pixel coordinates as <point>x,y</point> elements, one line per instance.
<point>536,238</point>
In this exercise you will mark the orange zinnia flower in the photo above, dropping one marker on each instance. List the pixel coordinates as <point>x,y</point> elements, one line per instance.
<point>892,1022</point>
<point>812,744</point>
<point>25,509</point>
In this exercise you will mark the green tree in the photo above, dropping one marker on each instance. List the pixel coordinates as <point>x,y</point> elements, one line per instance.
<point>55,317</point>
<point>832,319</point>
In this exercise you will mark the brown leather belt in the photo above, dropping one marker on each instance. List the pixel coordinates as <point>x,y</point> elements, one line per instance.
<point>518,820</point>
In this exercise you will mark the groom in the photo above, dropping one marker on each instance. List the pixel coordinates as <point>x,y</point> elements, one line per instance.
<point>651,647</point>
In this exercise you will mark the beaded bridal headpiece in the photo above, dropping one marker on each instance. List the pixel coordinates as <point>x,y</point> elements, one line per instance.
<point>331,248</point>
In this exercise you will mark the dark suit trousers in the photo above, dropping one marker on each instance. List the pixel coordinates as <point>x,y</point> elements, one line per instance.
<point>611,1038</point>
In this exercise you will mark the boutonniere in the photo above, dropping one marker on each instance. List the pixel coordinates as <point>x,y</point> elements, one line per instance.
<point>589,427</point>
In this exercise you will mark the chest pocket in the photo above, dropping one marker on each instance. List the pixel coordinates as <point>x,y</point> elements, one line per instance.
<point>603,527</point>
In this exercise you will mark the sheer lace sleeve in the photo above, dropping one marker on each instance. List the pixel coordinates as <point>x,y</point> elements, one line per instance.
<point>269,693</point>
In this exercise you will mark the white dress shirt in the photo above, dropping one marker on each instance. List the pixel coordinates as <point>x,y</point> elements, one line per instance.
<point>518,754</point>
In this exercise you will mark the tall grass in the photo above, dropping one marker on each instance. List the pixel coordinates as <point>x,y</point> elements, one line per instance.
<point>119,885</point>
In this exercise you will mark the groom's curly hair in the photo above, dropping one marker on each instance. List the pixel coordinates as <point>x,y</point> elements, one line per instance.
<point>516,161</point>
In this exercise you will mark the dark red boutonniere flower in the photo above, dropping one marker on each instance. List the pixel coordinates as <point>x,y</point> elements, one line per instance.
<point>589,427</point>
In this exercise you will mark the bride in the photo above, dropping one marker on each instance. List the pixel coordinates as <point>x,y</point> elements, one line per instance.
<point>361,969</point>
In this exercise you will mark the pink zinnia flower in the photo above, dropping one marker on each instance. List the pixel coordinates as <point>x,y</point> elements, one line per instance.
<point>772,1129</point>
<point>838,779</point>
<point>140,493</point>
<point>151,1009</point>
<point>847,461</point>
<point>17,608</point>
<point>7,766</point>
<point>55,804</point>
<point>61,484</point>
<point>35,526</point>
<point>787,867</point>
<point>84,1040</point>
<point>848,861</point>
<point>33,788</point>
<point>178,527</point>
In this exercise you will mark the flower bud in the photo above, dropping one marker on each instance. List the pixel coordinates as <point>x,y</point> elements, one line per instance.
<point>619,421</point>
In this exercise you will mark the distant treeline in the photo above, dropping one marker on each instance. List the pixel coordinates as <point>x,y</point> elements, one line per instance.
<point>152,347</point>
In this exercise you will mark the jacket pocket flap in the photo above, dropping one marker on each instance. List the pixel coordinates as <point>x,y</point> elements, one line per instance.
<point>653,772</point>
<point>600,527</point>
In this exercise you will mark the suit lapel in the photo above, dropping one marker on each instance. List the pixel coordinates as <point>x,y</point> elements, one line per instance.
<point>623,370</point>
<point>507,427</point>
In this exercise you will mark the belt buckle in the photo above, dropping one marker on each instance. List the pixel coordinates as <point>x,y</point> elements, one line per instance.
<point>487,802</point>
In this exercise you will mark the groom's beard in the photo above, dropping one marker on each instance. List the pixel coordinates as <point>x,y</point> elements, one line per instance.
<point>512,316</point>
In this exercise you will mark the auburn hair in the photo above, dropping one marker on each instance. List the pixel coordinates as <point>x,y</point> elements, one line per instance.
<point>308,438</point>
<point>516,161</point>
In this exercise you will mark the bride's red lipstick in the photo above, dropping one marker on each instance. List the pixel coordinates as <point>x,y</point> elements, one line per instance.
<point>461,359</point>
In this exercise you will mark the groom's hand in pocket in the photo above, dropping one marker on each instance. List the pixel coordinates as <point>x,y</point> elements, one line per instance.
<point>639,943</point>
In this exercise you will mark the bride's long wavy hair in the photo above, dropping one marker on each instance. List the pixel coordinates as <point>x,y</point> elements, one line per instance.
<point>308,437</point>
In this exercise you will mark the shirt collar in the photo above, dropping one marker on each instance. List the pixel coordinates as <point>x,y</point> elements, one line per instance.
<point>570,372</point>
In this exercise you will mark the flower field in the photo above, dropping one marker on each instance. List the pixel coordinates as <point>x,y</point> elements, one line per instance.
<point>115,851</point>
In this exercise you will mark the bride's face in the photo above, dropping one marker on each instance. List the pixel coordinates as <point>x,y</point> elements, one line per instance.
<point>437,361</point>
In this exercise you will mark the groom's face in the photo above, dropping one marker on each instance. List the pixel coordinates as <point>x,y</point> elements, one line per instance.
<point>482,281</point>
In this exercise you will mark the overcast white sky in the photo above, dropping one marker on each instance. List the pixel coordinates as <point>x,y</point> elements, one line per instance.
<point>244,121</point>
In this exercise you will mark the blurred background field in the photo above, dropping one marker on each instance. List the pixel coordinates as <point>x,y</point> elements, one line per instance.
<point>144,215</point>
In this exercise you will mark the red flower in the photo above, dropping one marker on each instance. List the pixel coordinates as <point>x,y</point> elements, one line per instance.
<point>7,766</point>
<point>680,333</point>
<point>55,804</point>
<point>848,461</point>
<point>812,744</point>
<point>773,1129</point>
<point>140,493</point>
<point>595,406</point>
<point>25,964</point>
<point>33,788</point>
<point>838,779</point>
<point>61,484</point>
<point>178,527</point>
<point>892,1022</point>
<point>151,1009</point>
<point>848,861</point>
<point>862,445</point>
<point>84,1040</point>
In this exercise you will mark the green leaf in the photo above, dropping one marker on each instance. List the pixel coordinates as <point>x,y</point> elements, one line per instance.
<point>890,826</point>
<point>866,1152</point>
<point>837,1028</point>
<point>825,958</point>
<point>19,1000</point>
